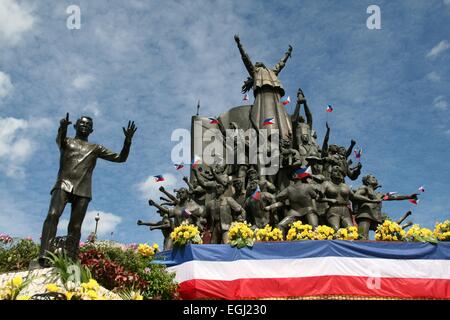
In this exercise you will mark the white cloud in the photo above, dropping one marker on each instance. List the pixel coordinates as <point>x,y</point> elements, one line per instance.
<point>16,146</point>
<point>15,20</point>
<point>93,108</point>
<point>434,76</point>
<point>5,84</point>
<point>447,2</point>
<point>438,49</point>
<point>440,103</point>
<point>108,223</point>
<point>83,81</point>
<point>149,188</point>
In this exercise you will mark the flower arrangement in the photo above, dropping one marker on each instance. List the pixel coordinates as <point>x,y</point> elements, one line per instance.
<point>12,288</point>
<point>269,234</point>
<point>85,291</point>
<point>442,231</point>
<point>299,231</point>
<point>324,233</point>
<point>240,235</point>
<point>185,233</point>
<point>416,233</point>
<point>349,233</point>
<point>389,231</point>
<point>146,251</point>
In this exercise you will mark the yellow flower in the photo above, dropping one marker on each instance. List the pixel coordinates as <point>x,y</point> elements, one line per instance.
<point>51,287</point>
<point>69,295</point>
<point>93,295</point>
<point>23,298</point>
<point>17,281</point>
<point>155,246</point>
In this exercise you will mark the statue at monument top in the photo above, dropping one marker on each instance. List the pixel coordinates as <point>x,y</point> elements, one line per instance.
<point>267,111</point>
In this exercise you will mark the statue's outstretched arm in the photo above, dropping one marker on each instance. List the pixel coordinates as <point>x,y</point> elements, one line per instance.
<point>108,155</point>
<point>298,107</point>
<point>186,180</point>
<point>201,182</point>
<point>245,57</point>
<point>159,207</point>
<point>350,148</point>
<point>62,131</point>
<point>280,65</point>
<point>357,196</point>
<point>309,118</point>
<point>171,197</point>
<point>325,142</point>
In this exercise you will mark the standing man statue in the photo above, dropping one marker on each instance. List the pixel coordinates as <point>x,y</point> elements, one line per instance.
<point>78,158</point>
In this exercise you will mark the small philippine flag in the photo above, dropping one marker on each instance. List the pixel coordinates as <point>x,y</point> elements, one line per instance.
<point>186,213</point>
<point>257,193</point>
<point>197,162</point>
<point>302,173</point>
<point>268,121</point>
<point>179,166</point>
<point>414,201</point>
<point>422,189</point>
<point>245,97</point>
<point>285,101</point>
<point>159,178</point>
<point>213,121</point>
<point>329,108</point>
<point>358,154</point>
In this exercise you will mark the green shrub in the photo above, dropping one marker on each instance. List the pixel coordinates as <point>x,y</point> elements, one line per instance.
<point>17,255</point>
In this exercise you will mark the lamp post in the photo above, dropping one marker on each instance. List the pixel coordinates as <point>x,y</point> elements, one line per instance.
<point>97,218</point>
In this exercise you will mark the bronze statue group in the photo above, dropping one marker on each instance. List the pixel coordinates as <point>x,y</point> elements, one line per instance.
<point>309,185</point>
<point>219,194</point>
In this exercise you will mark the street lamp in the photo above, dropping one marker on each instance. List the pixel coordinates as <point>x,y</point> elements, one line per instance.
<point>97,218</point>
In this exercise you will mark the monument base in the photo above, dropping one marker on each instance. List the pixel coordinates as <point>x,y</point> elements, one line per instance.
<point>327,269</point>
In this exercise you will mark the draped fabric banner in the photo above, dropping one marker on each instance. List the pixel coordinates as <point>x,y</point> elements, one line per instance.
<point>311,268</point>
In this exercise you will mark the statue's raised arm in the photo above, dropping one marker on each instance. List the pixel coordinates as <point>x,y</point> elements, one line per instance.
<point>245,57</point>
<point>280,65</point>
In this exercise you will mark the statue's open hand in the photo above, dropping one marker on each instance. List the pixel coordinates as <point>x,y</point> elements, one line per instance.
<point>236,38</point>
<point>326,125</point>
<point>129,131</point>
<point>185,179</point>
<point>300,95</point>
<point>161,189</point>
<point>289,50</point>
<point>151,202</point>
<point>139,222</point>
<point>64,122</point>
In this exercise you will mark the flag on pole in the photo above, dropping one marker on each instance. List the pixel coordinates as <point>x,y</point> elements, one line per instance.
<point>257,193</point>
<point>268,121</point>
<point>302,173</point>
<point>414,201</point>
<point>178,166</point>
<point>159,178</point>
<point>329,109</point>
<point>285,101</point>
<point>245,97</point>
<point>213,121</point>
<point>422,189</point>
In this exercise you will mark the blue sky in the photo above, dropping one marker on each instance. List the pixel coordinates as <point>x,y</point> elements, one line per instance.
<point>150,61</point>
